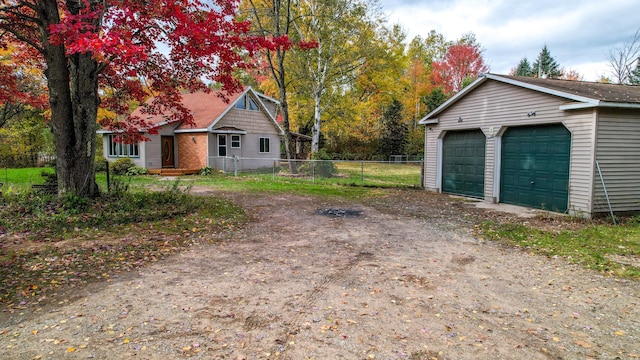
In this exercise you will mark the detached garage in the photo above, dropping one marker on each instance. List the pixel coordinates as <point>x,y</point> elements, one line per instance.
<point>538,143</point>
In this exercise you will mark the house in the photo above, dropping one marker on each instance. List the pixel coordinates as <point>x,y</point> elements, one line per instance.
<point>240,134</point>
<point>565,146</point>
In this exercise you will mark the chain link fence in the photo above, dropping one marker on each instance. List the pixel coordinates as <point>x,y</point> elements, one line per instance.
<point>397,172</point>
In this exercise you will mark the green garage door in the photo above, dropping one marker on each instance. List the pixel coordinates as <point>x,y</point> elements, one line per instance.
<point>535,167</point>
<point>463,163</point>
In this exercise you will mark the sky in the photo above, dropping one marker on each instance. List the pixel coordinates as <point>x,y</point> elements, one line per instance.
<point>578,33</point>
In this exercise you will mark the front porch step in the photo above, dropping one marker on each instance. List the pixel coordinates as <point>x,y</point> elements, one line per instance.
<point>173,172</point>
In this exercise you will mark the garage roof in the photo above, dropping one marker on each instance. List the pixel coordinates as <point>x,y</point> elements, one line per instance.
<point>583,93</point>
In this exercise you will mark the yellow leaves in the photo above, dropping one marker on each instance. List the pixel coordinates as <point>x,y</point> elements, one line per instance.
<point>619,333</point>
<point>71,349</point>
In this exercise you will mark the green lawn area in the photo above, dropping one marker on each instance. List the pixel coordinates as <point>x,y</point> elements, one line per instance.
<point>612,249</point>
<point>21,179</point>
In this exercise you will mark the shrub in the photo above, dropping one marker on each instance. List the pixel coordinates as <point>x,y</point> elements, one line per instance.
<point>101,163</point>
<point>136,170</point>
<point>120,166</point>
<point>205,171</point>
<point>322,166</point>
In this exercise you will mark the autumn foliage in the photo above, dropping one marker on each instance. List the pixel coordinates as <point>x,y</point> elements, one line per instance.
<point>142,48</point>
<point>115,54</point>
<point>462,61</point>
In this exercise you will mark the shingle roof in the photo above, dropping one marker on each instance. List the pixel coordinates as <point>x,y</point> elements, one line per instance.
<point>593,90</point>
<point>582,93</point>
<point>205,107</point>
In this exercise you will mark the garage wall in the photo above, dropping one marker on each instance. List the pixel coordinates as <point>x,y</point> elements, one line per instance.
<point>618,152</point>
<point>495,105</point>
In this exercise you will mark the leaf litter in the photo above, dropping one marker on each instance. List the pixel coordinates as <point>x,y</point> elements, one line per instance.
<point>291,285</point>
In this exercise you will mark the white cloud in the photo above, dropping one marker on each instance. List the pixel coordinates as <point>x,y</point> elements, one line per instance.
<point>579,34</point>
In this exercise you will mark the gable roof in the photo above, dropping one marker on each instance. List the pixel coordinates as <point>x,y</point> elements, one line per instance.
<point>207,109</point>
<point>583,93</point>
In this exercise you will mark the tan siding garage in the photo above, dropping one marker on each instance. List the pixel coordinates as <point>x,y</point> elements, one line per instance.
<point>495,104</point>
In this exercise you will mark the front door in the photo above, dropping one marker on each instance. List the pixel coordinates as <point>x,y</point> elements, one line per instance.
<point>167,152</point>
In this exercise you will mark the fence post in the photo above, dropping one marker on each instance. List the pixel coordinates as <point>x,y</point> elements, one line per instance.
<point>108,179</point>
<point>313,171</point>
<point>362,172</point>
<point>273,176</point>
<point>235,165</point>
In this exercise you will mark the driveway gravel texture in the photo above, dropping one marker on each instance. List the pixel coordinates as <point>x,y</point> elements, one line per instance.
<point>396,276</point>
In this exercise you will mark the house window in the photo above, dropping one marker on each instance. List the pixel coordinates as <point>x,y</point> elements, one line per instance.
<point>247,103</point>
<point>235,141</point>
<point>119,149</point>
<point>222,145</point>
<point>264,145</point>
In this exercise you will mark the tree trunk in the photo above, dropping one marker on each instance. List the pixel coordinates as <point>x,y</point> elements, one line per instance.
<point>74,101</point>
<point>315,141</point>
<point>288,142</point>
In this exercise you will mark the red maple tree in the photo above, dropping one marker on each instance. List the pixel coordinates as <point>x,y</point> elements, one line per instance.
<point>462,61</point>
<point>114,53</point>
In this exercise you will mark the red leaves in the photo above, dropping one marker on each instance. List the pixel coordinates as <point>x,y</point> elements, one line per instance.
<point>307,45</point>
<point>154,48</point>
<point>461,61</point>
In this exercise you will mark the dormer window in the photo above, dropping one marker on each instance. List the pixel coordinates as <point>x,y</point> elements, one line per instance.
<point>246,102</point>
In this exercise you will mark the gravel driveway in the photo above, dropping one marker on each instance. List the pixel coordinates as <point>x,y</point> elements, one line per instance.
<point>396,277</point>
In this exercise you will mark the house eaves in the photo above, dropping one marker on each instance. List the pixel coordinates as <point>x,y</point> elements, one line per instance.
<point>184,131</point>
<point>544,90</point>
<point>579,100</point>
<point>232,105</point>
<point>600,104</point>
<point>430,117</point>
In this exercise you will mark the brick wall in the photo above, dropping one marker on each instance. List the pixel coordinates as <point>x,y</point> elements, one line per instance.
<point>192,154</point>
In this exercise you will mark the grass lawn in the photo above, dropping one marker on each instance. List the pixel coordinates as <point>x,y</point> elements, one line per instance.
<point>612,249</point>
<point>21,179</point>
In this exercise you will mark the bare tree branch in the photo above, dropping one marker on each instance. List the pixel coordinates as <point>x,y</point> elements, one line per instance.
<point>622,60</point>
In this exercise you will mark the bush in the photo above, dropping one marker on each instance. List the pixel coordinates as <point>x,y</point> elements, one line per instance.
<point>205,171</point>
<point>136,170</point>
<point>322,166</point>
<point>121,166</point>
<point>101,163</point>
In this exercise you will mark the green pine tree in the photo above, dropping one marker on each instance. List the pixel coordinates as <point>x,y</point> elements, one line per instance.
<point>435,99</point>
<point>524,68</point>
<point>546,66</point>
<point>394,134</point>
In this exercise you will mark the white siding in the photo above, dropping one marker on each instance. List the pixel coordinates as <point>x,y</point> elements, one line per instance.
<point>618,153</point>
<point>493,107</point>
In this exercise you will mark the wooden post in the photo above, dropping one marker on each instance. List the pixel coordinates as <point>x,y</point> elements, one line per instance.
<point>108,180</point>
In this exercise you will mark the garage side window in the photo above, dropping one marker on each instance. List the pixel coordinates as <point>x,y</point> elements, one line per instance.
<point>120,149</point>
<point>264,145</point>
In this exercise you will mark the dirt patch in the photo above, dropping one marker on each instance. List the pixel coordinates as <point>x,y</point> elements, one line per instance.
<point>405,280</point>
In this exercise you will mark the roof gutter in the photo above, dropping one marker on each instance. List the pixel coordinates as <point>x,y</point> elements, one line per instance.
<point>599,104</point>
